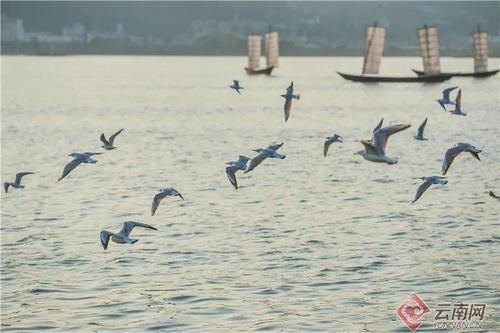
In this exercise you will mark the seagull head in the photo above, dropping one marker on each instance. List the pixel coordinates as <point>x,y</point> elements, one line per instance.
<point>257,150</point>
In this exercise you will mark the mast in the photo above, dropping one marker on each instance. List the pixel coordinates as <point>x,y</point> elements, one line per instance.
<point>480,48</point>
<point>254,42</point>
<point>429,49</point>
<point>271,43</point>
<point>374,49</point>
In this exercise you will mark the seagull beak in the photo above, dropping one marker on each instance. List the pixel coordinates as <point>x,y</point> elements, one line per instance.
<point>181,196</point>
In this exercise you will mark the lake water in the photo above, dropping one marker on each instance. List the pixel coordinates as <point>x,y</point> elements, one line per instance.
<point>305,244</point>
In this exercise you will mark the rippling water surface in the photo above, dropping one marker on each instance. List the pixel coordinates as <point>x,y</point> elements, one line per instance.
<point>306,244</point>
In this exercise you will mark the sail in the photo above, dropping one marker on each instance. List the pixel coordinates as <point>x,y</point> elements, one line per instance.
<point>271,42</point>
<point>374,48</point>
<point>480,44</point>
<point>429,49</point>
<point>254,51</point>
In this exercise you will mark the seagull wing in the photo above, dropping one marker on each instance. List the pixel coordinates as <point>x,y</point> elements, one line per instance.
<point>275,146</point>
<point>112,138</point>
<point>6,186</point>
<point>130,225</point>
<point>449,156</point>
<point>105,236</point>
<point>420,132</point>
<point>255,161</point>
<point>458,100</point>
<point>156,201</point>
<point>70,166</point>
<point>326,146</point>
<point>20,175</point>
<point>231,175</point>
<point>287,107</point>
<point>103,139</point>
<point>446,93</point>
<point>381,136</point>
<point>421,189</point>
<point>379,125</point>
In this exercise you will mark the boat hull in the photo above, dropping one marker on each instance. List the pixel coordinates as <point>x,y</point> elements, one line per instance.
<point>479,74</point>
<point>364,78</point>
<point>266,71</point>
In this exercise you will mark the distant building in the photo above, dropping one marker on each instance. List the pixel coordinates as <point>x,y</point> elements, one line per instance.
<point>12,29</point>
<point>75,33</point>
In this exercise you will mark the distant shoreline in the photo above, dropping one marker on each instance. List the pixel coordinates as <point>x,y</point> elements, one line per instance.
<point>58,49</point>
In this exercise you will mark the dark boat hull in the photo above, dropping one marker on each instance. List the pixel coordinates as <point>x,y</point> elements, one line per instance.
<point>480,74</point>
<point>266,71</point>
<point>364,78</point>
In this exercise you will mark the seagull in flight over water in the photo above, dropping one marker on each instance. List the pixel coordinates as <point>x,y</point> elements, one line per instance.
<point>420,132</point>
<point>428,181</point>
<point>494,196</point>
<point>458,105</point>
<point>446,98</point>
<point>236,86</point>
<point>17,181</point>
<point>170,191</point>
<point>329,140</point>
<point>234,166</point>
<point>455,151</point>
<point>78,158</point>
<point>289,96</point>
<point>108,144</point>
<point>375,149</point>
<point>269,151</point>
<point>123,236</point>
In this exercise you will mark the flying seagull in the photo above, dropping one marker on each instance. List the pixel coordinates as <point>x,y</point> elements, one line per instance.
<point>269,151</point>
<point>123,236</point>
<point>170,191</point>
<point>428,181</point>
<point>78,158</point>
<point>420,132</point>
<point>375,150</point>
<point>458,105</point>
<point>446,98</point>
<point>455,151</point>
<point>236,86</point>
<point>494,196</point>
<point>17,181</point>
<point>329,140</point>
<point>289,96</point>
<point>240,164</point>
<point>108,144</point>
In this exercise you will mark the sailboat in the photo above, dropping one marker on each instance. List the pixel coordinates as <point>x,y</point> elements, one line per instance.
<point>373,52</point>
<point>271,44</point>
<point>429,48</point>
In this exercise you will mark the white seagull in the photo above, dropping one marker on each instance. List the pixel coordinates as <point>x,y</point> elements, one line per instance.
<point>428,181</point>
<point>17,181</point>
<point>420,132</point>
<point>108,144</point>
<point>446,98</point>
<point>269,151</point>
<point>375,150</point>
<point>234,166</point>
<point>455,151</point>
<point>236,86</point>
<point>123,236</point>
<point>329,140</point>
<point>78,158</point>
<point>170,191</point>
<point>289,96</point>
<point>458,105</point>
